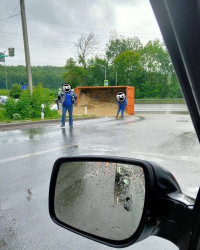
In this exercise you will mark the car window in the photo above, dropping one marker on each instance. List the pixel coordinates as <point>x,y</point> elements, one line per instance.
<point>89,44</point>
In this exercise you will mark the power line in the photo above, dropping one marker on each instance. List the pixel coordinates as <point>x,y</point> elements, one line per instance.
<point>32,37</point>
<point>63,29</point>
<point>81,27</point>
<point>75,26</point>
<point>9,16</point>
<point>37,37</point>
<point>36,43</point>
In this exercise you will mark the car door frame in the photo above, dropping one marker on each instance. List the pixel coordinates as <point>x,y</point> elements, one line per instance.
<point>179,22</point>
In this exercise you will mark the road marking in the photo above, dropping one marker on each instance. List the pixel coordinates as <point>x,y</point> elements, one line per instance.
<point>36,153</point>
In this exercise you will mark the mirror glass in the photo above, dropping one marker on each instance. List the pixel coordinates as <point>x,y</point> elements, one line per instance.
<point>102,198</point>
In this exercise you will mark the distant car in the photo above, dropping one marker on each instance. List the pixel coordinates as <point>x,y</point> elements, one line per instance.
<point>54,107</point>
<point>3,99</point>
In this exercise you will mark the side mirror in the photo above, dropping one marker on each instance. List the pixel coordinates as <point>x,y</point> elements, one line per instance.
<point>110,200</point>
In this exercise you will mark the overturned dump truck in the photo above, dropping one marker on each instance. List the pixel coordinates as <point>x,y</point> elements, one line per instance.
<point>101,101</point>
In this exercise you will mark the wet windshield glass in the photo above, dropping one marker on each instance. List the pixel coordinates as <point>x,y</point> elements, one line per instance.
<point>129,104</point>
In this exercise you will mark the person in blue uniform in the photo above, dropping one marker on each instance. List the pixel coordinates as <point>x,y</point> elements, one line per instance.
<point>68,99</point>
<point>122,103</point>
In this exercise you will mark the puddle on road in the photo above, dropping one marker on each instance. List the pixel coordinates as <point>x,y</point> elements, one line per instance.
<point>33,132</point>
<point>16,200</point>
<point>29,194</point>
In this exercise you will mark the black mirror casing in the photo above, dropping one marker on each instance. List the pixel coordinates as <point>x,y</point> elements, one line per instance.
<point>174,210</point>
<point>167,212</point>
<point>147,223</point>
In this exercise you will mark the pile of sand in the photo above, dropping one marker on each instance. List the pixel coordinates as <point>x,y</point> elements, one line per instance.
<point>84,99</point>
<point>96,105</point>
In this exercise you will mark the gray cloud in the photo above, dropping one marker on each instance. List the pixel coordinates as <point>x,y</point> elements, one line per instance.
<point>54,26</point>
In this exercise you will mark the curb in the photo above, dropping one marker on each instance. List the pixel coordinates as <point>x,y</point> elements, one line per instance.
<point>13,124</point>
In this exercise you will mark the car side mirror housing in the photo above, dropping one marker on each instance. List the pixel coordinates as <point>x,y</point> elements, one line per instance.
<point>112,200</point>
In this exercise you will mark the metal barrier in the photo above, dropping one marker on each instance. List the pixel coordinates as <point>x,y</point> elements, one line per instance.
<point>167,100</point>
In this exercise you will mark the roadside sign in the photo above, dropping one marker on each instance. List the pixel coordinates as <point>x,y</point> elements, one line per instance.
<point>2,58</point>
<point>91,63</point>
<point>106,83</point>
<point>23,87</point>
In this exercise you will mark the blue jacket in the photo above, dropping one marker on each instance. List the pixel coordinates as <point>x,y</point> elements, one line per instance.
<point>68,99</point>
<point>122,104</point>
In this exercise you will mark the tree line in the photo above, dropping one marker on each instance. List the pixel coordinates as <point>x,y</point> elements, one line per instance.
<point>49,76</point>
<point>126,61</point>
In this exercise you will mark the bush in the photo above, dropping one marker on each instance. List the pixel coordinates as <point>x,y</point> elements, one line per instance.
<point>29,106</point>
<point>24,105</point>
<point>50,113</point>
<point>15,91</point>
<point>40,96</point>
<point>10,107</point>
<point>2,114</point>
<point>4,92</point>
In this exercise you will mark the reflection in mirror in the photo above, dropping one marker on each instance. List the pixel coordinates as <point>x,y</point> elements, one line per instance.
<point>102,198</point>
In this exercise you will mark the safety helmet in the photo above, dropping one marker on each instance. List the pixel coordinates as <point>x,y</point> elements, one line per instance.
<point>66,87</point>
<point>120,96</point>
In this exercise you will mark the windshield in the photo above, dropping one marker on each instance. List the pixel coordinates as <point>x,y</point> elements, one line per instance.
<point>124,100</point>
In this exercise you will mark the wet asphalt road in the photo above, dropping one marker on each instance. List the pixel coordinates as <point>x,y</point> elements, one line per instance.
<point>27,156</point>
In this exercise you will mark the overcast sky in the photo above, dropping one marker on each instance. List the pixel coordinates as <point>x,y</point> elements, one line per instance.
<point>54,26</point>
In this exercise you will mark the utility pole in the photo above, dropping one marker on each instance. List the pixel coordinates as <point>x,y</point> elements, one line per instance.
<point>26,47</point>
<point>6,78</point>
<point>2,59</point>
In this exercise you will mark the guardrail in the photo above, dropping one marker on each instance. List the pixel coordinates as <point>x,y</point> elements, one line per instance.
<point>177,100</point>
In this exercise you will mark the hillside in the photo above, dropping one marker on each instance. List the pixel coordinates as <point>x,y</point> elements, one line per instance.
<point>49,76</point>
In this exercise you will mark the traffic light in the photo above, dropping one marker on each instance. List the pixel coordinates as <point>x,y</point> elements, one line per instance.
<point>11,51</point>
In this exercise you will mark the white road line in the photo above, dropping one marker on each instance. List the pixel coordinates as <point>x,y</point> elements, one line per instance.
<point>36,153</point>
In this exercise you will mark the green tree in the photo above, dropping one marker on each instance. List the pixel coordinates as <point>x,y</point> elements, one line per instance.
<point>15,91</point>
<point>155,58</point>
<point>74,74</point>
<point>96,74</point>
<point>128,68</point>
<point>86,45</point>
<point>158,69</point>
<point>118,45</point>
